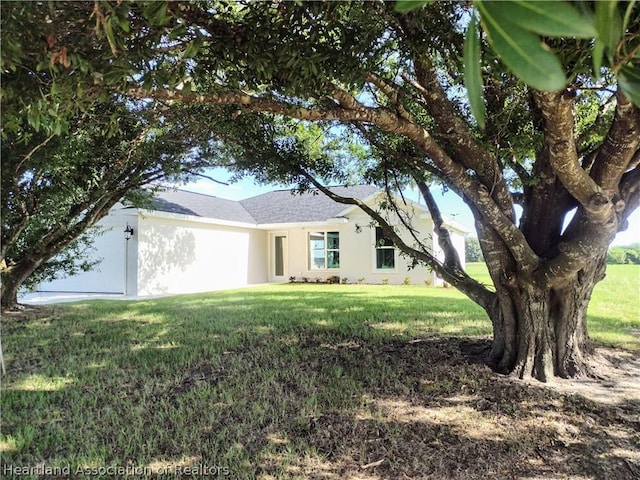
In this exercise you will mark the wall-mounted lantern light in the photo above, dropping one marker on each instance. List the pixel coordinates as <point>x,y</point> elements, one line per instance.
<point>128,232</point>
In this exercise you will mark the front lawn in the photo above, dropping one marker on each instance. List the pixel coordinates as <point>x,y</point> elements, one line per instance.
<point>291,381</point>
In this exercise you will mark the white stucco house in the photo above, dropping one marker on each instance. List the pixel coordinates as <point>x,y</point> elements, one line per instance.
<point>189,242</point>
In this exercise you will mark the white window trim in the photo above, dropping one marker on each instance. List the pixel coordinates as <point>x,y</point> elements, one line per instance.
<point>374,256</point>
<point>326,250</point>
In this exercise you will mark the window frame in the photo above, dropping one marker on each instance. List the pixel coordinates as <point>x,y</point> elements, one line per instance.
<point>326,250</point>
<point>377,248</point>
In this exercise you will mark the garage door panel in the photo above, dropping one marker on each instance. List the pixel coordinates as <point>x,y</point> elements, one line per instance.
<point>107,277</point>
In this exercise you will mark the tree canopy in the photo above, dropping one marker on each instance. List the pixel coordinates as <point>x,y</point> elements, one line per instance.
<point>400,88</point>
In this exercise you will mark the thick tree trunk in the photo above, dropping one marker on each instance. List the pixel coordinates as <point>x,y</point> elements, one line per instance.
<point>12,277</point>
<point>542,332</point>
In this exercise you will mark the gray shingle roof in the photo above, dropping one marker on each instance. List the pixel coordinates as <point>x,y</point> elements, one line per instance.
<point>281,206</point>
<point>199,205</point>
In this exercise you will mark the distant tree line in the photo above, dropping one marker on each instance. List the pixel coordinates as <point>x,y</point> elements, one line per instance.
<point>472,250</point>
<point>627,254</point>
<point>621,255</point>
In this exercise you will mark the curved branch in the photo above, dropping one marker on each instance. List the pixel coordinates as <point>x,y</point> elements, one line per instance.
<point>468,152</point>
<point>470,287</point>
<point>390,92</point>
<point>207,177</point>
<point>575,253</point>
<point>451,257</point>
<point>619,146</point>
<point>350,110</point>
<point>28,156</point>
<point>635,160</point>
<point>630,194</point>
<point>557,111</point>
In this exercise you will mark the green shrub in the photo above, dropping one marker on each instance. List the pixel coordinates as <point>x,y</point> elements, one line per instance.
<point>624,255</point>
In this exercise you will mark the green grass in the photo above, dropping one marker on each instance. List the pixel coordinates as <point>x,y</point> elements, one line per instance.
<point>258,382</point>
<point>107,382</point>
<point>614,311</point>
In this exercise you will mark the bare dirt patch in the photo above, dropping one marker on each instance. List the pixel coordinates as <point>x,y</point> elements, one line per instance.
<point>455,419</point>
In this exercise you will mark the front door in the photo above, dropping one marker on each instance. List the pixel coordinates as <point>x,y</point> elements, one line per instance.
<point>279,254</point>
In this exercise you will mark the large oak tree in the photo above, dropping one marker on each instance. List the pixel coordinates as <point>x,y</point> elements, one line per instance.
<point>567,156</point>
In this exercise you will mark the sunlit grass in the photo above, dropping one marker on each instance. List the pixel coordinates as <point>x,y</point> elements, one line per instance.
<point>614,311</point>
<point>238,379</point>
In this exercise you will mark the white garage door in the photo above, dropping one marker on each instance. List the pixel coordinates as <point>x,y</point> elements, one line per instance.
<point>107,277</point>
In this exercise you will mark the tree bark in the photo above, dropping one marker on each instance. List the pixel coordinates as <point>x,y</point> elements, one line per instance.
<point>541,331</point>
<point>12,277</point>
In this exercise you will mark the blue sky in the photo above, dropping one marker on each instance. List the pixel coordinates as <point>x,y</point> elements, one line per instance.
<point>450,204</point>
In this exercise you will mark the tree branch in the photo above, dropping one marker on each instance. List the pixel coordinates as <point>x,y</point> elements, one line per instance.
<point>630,193</point>
<point>470,287</point>
<point>350,110</point>
<point>220,182</point>
<point>581,247</point>
<point>557,111</point>
<point>390,92</point>
<point>468,152</point>
<point>451,257</point>
<point>28,156</point>
<point>619,146</point>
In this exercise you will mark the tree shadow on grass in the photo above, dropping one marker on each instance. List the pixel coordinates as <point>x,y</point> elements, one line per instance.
<point>295,386</point>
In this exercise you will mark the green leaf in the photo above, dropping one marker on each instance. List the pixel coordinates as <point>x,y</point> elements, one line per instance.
<point>156,13</point>
<point>108,28</point>
<point>598,54</point>
<point>553,19</point>
<point>629,82</point>
<point>627,15</point>
<point>404,6</point>
<point>33,117</point>
<point>608,24</point>
<point>523,52</point>
<point>473,73</point>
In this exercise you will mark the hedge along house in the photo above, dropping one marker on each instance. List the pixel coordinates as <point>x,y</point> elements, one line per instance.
<point>189,242</point>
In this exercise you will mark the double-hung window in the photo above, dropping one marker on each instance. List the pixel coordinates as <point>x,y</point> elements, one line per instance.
<point>385,252</point>
<point>324,250</point>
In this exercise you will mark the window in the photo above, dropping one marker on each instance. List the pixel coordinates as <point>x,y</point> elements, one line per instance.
<point>324,250</point>
<point>385,252</point>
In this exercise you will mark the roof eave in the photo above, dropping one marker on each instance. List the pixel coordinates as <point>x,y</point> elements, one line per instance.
<point>193,218</point>
<point>286,225</point>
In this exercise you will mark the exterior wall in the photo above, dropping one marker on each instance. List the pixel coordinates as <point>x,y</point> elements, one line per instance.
<point>361,262</point>
<point>171,254</point>
<point>357,254</point>
<point>182,256</point>
<point>111,248</point>
<point>299,262</point>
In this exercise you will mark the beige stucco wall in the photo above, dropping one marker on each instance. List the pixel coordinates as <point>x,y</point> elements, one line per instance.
<point>172,253</point>
<point>111,249</point>
<point>357,252</point>
<point>182,256</point>
<point>361,241</point>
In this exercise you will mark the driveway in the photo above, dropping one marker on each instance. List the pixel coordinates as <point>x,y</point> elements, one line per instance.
<point>47,298</point>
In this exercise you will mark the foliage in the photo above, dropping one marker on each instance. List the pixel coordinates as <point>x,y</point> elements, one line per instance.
<point>629,254</point>
<point>473,252</point>
<point>79,256</point>
<point>291,83</point>
<point>54,188</point>
<point>513,29</point>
